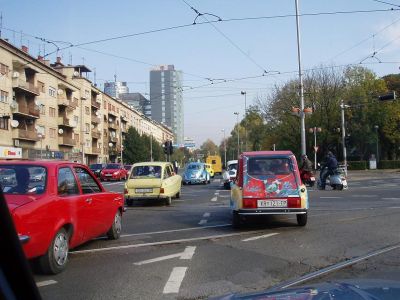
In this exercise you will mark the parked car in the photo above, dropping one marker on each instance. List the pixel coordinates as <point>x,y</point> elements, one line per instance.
<point>152,180</point>
<point>114,172</point>
<point>196,173</point>
<point>97,168</point>
<point>210,170</point>
<point>268,183</point>
<point>66,208</point>
<point>229,175</point>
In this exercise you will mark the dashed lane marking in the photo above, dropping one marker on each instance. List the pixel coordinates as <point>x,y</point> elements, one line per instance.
<point>214,199</point>
<point>390,198</point>
<point>186,254</point>
<point>45,283</point>
<point>175,280</point>
<point>364,196</point>
<point>329,197</point>
<point>202,222</point>
<point>259,237</point>
<point>206,215</point>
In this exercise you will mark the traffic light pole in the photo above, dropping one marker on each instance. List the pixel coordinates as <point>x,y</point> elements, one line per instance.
<point>342,107</point>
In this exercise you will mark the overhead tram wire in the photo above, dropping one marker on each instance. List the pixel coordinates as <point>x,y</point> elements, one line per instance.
<point>388,3</point>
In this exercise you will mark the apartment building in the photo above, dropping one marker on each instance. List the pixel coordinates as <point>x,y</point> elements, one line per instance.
<point>52,111</point>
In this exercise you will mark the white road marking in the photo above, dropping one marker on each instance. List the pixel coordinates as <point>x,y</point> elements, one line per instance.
<point>259,237</point>
<point>206,215</point>
<point>179,200</point>
<point>175,280</point>
<point>217,180</point>
<point>390,184</point>
<point>210,237</point>
<point>186,254</point>
<point>390,198</point>
<point>175,230</point>
<point>214,199</point>
<point>46,282</point>
<point>328,197</point>
<point>367,187</point>
<point>216,193</point>
<point>226,191</point>
<point>364,196</point>
<point>202,222</point>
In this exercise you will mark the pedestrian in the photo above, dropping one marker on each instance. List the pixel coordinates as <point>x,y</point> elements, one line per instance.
<point>328,168</point>
<point>176,167</point>
<point>306,165</point>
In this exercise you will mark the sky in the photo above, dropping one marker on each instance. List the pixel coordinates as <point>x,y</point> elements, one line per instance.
<point>234,54</point>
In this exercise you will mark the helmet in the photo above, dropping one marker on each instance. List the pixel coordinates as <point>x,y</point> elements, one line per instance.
<point>304,156</point>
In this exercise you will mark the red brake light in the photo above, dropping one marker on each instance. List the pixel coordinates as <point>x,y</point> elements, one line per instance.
<point>250,203</point>
<point>125,191</point>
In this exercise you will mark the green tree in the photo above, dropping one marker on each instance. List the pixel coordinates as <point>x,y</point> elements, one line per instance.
<point>209,148</point>
<point>134,147</point>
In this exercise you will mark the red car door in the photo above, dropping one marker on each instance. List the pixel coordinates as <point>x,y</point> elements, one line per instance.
<point>102,207</point>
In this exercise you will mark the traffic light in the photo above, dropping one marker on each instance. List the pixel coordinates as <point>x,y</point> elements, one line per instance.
<point>166,147</point>
<point>171,148</point>
<point>388,97</point>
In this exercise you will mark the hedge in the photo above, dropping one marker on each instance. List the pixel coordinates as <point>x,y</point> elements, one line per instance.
<point>389,164</point>
<point>357,165</point>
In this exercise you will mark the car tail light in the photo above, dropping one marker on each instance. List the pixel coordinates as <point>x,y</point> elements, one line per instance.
<point>294,202</point>
<point>161,190</point>
<point>250,203</point>
<point>125,191</point>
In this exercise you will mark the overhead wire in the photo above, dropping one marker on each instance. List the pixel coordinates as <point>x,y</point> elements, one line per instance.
<point>388,3</point>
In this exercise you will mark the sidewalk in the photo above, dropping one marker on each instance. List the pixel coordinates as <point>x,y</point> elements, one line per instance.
<point>373,174</point>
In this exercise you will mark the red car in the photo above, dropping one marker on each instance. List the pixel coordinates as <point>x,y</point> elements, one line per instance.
<point>114,172</point>
<point>64,209</point>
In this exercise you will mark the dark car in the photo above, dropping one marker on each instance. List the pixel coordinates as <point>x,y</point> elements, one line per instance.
<point>96,169</point>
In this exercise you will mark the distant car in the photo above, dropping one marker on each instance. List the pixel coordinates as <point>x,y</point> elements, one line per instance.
<point>7,177</point>
<point>114,172</point>
<point>152,180</point>
<point>268,183</point>
<point>37,174</point>
<point>210,170</point>
<point>66,208</point>
<point>96,169</point>
<point>230,173</point>
<point>196,173</point>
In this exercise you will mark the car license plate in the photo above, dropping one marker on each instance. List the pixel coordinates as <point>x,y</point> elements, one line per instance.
<point>144,190</point>
<point>312,178</point>
<point>272,203</point>
<point>108,174</point>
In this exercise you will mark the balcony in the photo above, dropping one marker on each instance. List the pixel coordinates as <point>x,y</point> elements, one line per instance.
<point>25,87</point>
<point>27,135</point>
<point>96,150</point>
<point>95,103</point>
<point>64,101</point>
<point>66,141</point>
<point>113,139</point>
<point>113,113</point>
<point>74,103</point>
<point>96,134</point>
<point>95,120</point>
<point>27,111</point>
<point>64,121</point>
<point>112,126</point>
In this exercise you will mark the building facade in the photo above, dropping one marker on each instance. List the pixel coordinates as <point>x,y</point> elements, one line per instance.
<point>114,89</point>
<point>52,111</point>
<point>137,101</point>
<point>166,99</point>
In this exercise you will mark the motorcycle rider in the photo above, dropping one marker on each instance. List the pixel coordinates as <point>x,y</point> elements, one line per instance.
<point>306,166</point>
<point>330,165</point>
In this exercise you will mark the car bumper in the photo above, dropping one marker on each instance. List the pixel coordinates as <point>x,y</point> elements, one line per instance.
<point>194,181</point>
<point>272,211</point>
<point>145,197</point>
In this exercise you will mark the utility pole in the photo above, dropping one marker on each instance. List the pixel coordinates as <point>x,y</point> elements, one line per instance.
<point>302,116</point>
<point>237,129</point>
<point>223,130</point>
<point>342,107</point>
<point>245,114</point>
<point>151,147</point>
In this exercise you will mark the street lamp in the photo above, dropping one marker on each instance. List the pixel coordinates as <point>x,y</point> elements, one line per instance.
<point>223,130</point>
<point>377,143</point>
<point>315,130</point>
<point>245,114</point>
<point>41,136</point>
<point>237,129</point>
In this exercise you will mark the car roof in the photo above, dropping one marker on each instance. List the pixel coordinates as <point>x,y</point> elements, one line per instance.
<point>152,163</point>
<point>41,163</point>
<point>196,163</point>
<point>268,153</point>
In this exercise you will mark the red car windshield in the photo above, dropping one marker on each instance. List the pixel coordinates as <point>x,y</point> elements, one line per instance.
<point>112,166</point>
<point>22,179</point>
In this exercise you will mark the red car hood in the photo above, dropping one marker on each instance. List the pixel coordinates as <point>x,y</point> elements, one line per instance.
<point>15,201</point>
<point>110,170</point>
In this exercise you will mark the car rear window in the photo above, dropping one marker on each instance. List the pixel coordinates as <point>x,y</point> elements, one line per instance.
<point>96,166</point>
<point>146,171</point>
<point>22,179</point>
<point>268,166</point>
<point>112,166</point>
<point>194,167</point>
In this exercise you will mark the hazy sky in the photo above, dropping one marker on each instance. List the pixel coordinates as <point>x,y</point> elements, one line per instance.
<point>220,51</point>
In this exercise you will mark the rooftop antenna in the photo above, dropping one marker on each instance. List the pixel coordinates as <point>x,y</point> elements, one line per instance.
<point>94,76</point>
<point>70,58</point>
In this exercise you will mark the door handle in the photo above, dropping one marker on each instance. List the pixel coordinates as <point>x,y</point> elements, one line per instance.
<point>88,200</point>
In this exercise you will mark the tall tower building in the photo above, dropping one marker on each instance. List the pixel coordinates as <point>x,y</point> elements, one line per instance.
<point>166,99</point>
<point>115,88</point>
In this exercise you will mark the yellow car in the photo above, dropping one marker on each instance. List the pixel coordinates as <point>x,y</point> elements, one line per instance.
<point>151,181</point>
<point>210,170</point>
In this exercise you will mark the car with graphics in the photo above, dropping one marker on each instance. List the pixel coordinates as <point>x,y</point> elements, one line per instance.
<point>268,183</point>
<point>114,171</point>
<point>151,181</point>
<point>67,207</point>
<point>229,174</point>
<point>210,170</point>
<point>96,169</point>
<point>196,172</point>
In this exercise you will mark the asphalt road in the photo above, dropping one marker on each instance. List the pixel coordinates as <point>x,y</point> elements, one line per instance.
<point>190,251</point>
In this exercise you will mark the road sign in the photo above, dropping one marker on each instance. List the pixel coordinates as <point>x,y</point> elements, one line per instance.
<point>316,148</point>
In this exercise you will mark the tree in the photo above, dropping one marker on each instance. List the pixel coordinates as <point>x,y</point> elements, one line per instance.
<point>209,148</point>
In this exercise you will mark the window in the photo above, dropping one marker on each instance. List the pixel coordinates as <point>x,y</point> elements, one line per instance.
<point>4,69</point>
<point>87,94</point>
<point>4,123</point>
<point>109,106</point>
<point>87,127</point>
<point>76,137</point>
<point>66,183</point>
<point>88,184</point>
<point>52,112</point>
<point>87,143</point>
<point>76,119</point>
<point>42,108</point>
<point>3,96</point>
<point>52,91</point>
<point>41,86</point>
<point>105,104</point>
<point>87,111</point>
<point>52,133</point>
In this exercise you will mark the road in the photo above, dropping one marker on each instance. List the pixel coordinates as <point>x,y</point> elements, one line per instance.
<point>190,251</point>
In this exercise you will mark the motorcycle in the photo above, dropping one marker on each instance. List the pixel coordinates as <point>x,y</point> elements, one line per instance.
<point>308,178</point>
<point>337,181</point>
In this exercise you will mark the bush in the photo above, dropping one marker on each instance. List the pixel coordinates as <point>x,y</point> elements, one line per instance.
<point>389,164</point>
<point>357,165</point>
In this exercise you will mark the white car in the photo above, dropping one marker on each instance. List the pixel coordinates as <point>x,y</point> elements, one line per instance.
<point>230,173</point>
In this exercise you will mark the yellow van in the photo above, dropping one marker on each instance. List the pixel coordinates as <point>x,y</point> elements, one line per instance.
<point>215,162</point>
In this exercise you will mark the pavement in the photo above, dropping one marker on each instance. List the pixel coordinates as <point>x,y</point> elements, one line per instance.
<point>189,250</point>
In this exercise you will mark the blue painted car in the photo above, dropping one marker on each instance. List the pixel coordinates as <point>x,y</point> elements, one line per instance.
<point>196,173</point>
